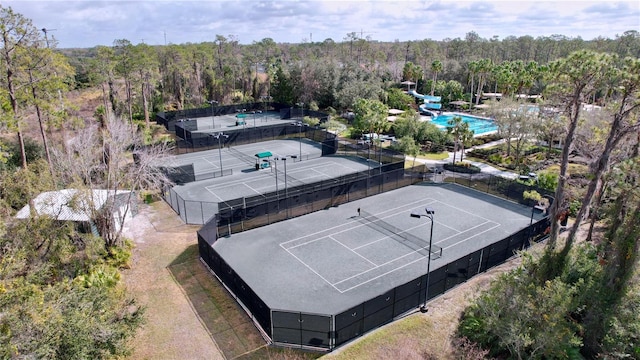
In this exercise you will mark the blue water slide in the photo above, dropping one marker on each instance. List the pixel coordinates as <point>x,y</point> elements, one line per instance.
<point>430,106</point>
<point>426,98</point>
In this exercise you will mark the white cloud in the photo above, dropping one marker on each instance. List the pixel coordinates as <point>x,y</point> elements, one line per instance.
<point>90,23</point>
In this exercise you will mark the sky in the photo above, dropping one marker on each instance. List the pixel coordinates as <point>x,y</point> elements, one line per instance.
<point>88,23</point>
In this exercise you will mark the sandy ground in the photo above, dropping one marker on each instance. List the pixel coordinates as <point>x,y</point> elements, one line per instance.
<point>172,329</point>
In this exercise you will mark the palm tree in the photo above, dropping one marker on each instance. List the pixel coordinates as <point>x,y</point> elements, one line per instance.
<point>436,67</point>
<point>455,129</point>
<point>465,137</point>
<point>483,69</point>
<point>473,70</point>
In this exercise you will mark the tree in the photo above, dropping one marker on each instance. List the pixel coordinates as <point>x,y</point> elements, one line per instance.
<point>61,292</point>
<point>370,116</point>
<point>145,66</point>
<point>458,129</point>
<point>515,121</point>
<point>625,103</point>
<point>466,137</point>
<point>47,76</point>
<point>436,67</point>
<point>406,125</point>
<point>356,83</point>
<point>408,146</point>
<point>103,69</point>
<point>572,81</point>
<point>521,319</point>
<point>17,35</point>
<point>482,68</point>
<point>398,99</point>
<point>282,90</point>
<point>619,256</point>
<point>549,127</point>
<point>101,159</point>
<point>411,72</point>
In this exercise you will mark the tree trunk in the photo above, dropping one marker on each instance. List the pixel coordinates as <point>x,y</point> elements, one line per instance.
<point>112,95</point>
<point>615,136</point>
<point>129,92</point>
<point>43,130</point>
<point>145,104</point>
<point>620,258</point>
<point>594,212</point>
<point>552,263</point>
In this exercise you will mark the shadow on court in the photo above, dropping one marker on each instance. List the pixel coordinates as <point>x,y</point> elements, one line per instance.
<point>228,325</point>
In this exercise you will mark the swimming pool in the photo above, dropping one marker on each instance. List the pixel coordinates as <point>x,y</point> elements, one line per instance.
<point>479,125</point>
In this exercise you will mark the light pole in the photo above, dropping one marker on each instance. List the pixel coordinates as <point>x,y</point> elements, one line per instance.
<point>213,115</point>
<point>254,117</point>
<point>299,124</point>
<point>428,213</point>
<point>301,104</point>
<point>286,193</point>
<point>219,137</point>
<point>275,163</point>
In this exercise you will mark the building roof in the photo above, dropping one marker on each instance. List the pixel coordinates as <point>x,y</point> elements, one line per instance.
<point>68,204</point>
<point>395,111</point>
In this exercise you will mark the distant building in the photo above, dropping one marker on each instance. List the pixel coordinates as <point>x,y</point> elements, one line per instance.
<point>79,205</point>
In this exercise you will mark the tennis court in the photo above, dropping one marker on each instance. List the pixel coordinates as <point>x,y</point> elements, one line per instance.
<point>197,201</point>
<point>210,163</point>
<point>332,260</point>
<point>208,124</point>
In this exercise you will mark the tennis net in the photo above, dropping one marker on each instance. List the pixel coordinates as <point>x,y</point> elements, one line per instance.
<point>402,236</point>
<point>242,156</point>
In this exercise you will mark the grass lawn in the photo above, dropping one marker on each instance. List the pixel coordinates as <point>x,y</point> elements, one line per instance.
<point>572,169</point>
<point>230,327</point>
<point>434,156</point>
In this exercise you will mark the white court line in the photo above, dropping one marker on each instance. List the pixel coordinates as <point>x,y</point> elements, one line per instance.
<point>339,226</point>
<point>471,237</point>
<point>234,181</point>
<point>321,175</point>
<point>256,191</point>
<point>377,277</point>
<point>346,247</point>
<point>212,188</point>
<point>398,258</point>
<point>214,194</point>
<point>385,237</point>
<point>312,270</point>
<point>470,213</point>
<point>386,263</point>
<point>215,166</point>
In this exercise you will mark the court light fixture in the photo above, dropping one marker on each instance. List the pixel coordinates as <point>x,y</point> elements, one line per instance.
<point>219,136</point>
<point>428,213</point>
<point>213,115</point>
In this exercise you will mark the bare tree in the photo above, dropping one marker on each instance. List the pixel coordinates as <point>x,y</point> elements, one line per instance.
<point>111,164</point>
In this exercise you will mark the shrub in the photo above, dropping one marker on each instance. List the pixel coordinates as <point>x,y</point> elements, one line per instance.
<point>462,167</point>
<point>484,153</point>
<point>495,158</point>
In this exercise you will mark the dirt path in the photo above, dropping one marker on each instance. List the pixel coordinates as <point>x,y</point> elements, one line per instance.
<point>172,329</point>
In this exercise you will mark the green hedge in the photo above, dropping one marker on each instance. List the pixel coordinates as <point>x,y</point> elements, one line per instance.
<point>462,168</point>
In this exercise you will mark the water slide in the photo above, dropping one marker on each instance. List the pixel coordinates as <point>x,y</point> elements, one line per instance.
<point>430,102</point>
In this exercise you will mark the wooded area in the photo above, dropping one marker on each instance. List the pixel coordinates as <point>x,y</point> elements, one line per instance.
<point>60,294</point>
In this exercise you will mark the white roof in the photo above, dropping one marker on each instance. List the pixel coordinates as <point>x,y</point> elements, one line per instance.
<point>67,204</point>
<point>395,111</point>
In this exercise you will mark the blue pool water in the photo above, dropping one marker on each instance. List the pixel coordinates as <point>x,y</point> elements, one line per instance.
<point>478,125</point>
